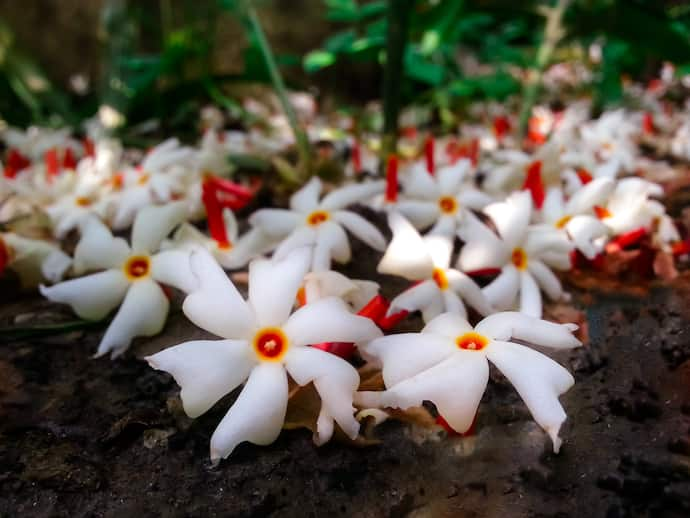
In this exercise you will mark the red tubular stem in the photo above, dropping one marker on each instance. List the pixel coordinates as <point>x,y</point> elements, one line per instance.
<point>392,179</point>
<point>52,163</point>
<point>534,184</point>
<point>628,239</point>
<point>214,214</point>
<point>356,157</point>
<point>68,159</point>
<point>429,146</point>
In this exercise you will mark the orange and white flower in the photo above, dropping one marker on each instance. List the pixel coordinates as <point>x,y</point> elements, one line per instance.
<point>33,260</point>
<point>448,364</point>
<point>522,254</point>
<point>129,278</point>
<point>321,225</point>
<point>426,260</point>
<point>441,200</point>
<point>262,342</point>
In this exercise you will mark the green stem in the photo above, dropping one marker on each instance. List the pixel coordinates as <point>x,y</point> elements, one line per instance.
<point>301,139</point>
<point>553,33</point>
<point>49,329</point>
<point>396,40</point>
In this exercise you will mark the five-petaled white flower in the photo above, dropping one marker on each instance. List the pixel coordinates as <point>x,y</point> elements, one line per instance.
<point>319,224</point>
<point>131,276</point>
<point>263,343</point>
<point>522,254</point>
<point>442,200</point>
<point>447,364</point>
<point>427,260</point>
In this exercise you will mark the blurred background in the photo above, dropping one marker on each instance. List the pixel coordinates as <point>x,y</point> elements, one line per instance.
<point>63,60</point>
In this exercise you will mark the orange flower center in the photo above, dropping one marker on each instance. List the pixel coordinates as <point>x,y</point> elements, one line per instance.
<point>225,246</point>
<point>440,278</point>
<point>82,201</point>
<point>563,221</point>
<point>317,217</point>
<point>118,181</point>
<point>602,212</point>
<point>519,258</point>
<point>448,204</point>
<point>270,344</point>
<point>143,179</point>
<point>137,267</point>
<point>471,341</point>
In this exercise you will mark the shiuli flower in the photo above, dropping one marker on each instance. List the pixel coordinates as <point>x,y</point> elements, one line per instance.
<point>426,260</point>
<point>575,218</point>
<point>70,210</point>
<point>130,277</point>
<point>523,255</point>
<point>33,260</point>
<point>447,364</point>
<point>263,343</point>
<point>321,225</point>
<point>441,200</point>
<point>232,250</point>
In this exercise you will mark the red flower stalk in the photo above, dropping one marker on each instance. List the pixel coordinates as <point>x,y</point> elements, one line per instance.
<point>392,179</point>
<point>584,176</point>
<point>356,157</point>
<point>501,127</point>
<point>89,147</point>
<point>15,163</point>
<point>68,159</point>
<point>429,155</point>
<point>648,123</point>
<point>214,214</point>
<point>625,240</point>
<point>534,184</point>
<point>52,163</point>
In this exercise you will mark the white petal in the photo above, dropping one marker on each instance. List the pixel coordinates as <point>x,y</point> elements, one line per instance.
<point>503,290</point>
<point>530,297</point>
<point>205,370</point>
<point>273,286</point>
<point>433,309</point>
<point>55,265</point>
<point>336,382</point>
<point>540,239</point>
<point>586,197</point>
<point>450,177</point>
<point>420,184</point>
<point>455,386</point>
<point>331,242</point>
<point>416,298</point>
<point>275,222</point>
<point>546,279</point>
<point>471,198</point>
<point>142,313</point>
<point>482,249</point>
<point>583,230</point>
<point>420,213</point>
<point>91,297</point>
<point>251,244</point>
<point>361,228</point>
<point>258,413</point>
<point>172,267</point>
<point>453,304</point>
<point>98,249</point>
<point>448,325</point>
<point>406,255</point>
<point>356,193</point>
<point>511,324</point>
<point>511,217</point>
<point>404,355</point>
<point>553,208</point>
<point>298,238</point>
<point>446,226</point>
<point>216,305</point>
<point>469,291</point>
<point>153,224</point>
<point>538,379</point>
<point>440,248</point>
<point>307,198</point>
<point>328,320</point>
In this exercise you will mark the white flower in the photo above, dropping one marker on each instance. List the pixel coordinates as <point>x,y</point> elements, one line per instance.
<point>262,343</point>
<point>321,224</point>
<point>75,207</point>
<point>630,208</point>
<point>441,200</point>
<point>447,364</point>
<point>357,293</point>
<point>575,218</point>
<point>232,251</point>
<point>130,277</point>
<point>522,254</point>
<point>427,259</point>
<point>33,260</point>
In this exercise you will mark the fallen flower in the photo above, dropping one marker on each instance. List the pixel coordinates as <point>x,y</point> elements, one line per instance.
<point>130,277</point>
<point>262,343</point>
<point>447,363</point>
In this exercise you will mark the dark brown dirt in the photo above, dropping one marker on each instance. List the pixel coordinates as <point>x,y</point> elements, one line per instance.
<point>85,437</point>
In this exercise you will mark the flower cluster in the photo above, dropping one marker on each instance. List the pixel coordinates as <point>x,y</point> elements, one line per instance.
<point>479,224</point>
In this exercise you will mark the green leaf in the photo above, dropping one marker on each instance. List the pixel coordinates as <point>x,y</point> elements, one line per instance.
<point>317,60</point>
<point>340,41</point>
<point>419,68</point>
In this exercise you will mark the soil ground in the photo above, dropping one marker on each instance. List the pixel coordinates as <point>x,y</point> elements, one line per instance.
<point>91,437</point>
